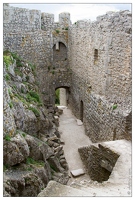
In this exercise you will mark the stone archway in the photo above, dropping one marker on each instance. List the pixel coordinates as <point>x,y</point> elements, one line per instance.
<point>63,95</point>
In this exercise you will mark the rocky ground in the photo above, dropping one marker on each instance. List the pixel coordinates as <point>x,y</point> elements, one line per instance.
<point>119,182</point>
<point>32,149</point>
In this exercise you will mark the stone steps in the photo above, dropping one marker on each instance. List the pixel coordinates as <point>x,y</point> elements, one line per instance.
<point>55,189</point>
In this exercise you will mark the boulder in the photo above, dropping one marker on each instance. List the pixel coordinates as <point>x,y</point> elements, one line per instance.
<point>43,151</point>
<point>55,164</point>
<point>15,151</point>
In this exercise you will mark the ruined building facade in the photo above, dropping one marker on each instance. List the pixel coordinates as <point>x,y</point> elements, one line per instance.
<point>91,60</point>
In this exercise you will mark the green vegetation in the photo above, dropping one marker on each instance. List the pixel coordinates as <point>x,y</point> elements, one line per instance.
<point>34,162</point>
<point>114,106</point>
<point>35,111</point>
<point>33,96</point>
<point>7,60</point>
<point>53,168</point>
<point>49,67</point>
<point>57,96</point>
<point>5,167</point>
<point>57,31</point>
<point>18,59</point>
<point>7,77</point>
<point>27,78</point>
<point>33,67</point>
<point>10,104</point>
<point>7,137</point>
<point>53,72</point>
<point>24,134</point>
<point>66,28</point>
<point>18,72</point>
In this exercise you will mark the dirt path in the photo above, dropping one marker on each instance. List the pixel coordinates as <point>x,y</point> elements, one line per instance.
<point>74,137</point>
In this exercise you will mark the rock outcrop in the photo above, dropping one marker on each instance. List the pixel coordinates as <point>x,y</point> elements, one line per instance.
<point>33,152</point>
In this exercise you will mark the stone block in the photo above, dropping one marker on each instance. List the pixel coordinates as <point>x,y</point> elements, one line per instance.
<point>79,122</point>
<point>77,172</point>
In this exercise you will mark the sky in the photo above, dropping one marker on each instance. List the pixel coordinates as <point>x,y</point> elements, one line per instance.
<point>78,11</point>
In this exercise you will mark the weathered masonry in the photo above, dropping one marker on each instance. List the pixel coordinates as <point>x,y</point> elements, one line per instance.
<point>90,59</point>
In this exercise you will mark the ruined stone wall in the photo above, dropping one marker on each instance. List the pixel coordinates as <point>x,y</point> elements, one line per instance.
<point>33,36</point>
<point>99,161</point>
<point>100,59</point>
<point>97,55</point>
<point>21,19</point>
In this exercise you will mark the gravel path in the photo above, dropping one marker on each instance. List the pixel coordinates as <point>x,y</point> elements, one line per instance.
<point>74,137</point>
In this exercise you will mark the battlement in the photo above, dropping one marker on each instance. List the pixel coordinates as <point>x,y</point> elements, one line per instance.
<point>25,20</point>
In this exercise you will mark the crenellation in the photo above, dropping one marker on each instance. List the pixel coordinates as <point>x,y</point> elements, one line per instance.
<point>93,59</point>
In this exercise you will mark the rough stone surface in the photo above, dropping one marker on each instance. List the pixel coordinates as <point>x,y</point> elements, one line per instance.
<point>15,151</point>
<point>77,172</point>
<point>90,60</point>
<point>60,190</point>
<point>99,162</point>
<point>79,122</point>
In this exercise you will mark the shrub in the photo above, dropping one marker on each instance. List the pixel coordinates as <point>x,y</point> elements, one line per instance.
<point>18,59</point>
<point>7,77</point>
<point>66,28</point>
<point>7,137</point>
<point>33,67</point>
<point>6,52</point>
<point>114,106</point>
<point>33,96</point>
<point>23,134</point>
<point>7,60</point>
<point>57,96</point>
<point>35,111</point>
<point>57,31</point>
<point>34,162</point>
<point>18,72</point>
<point>10,104</point>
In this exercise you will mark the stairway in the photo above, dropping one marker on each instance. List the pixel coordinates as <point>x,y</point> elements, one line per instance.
<point>55,189</point>
<point>118,184</point>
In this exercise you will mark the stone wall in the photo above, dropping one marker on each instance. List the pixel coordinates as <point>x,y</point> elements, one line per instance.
<point>93,59</point>
<point>100,58</point>
<point>99,161</point>
<point>21,19</point>
<point>34,36</point>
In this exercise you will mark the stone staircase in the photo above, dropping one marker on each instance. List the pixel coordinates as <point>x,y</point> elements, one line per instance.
<point>118,184</point>
<point>55,189</point>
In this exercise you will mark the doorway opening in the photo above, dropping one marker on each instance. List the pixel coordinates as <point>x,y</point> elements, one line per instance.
<point>81,110</point>
<point>61,96</point>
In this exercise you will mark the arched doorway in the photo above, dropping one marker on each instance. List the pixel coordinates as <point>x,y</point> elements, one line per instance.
<point>81,110</point>
<point>62,96</point>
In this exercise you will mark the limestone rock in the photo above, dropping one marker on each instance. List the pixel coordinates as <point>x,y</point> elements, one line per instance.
<point>9,127</point>
<point>77,172</point>
<point>15,150</point>
<point>43,151</point>
<point>41,172</point>
<point>79,122</point>
<point>22,184</point>
<point>54,163</point>
<point>34,144</point>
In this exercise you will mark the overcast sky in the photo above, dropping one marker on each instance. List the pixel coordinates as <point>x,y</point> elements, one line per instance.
<point>77,11</point>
